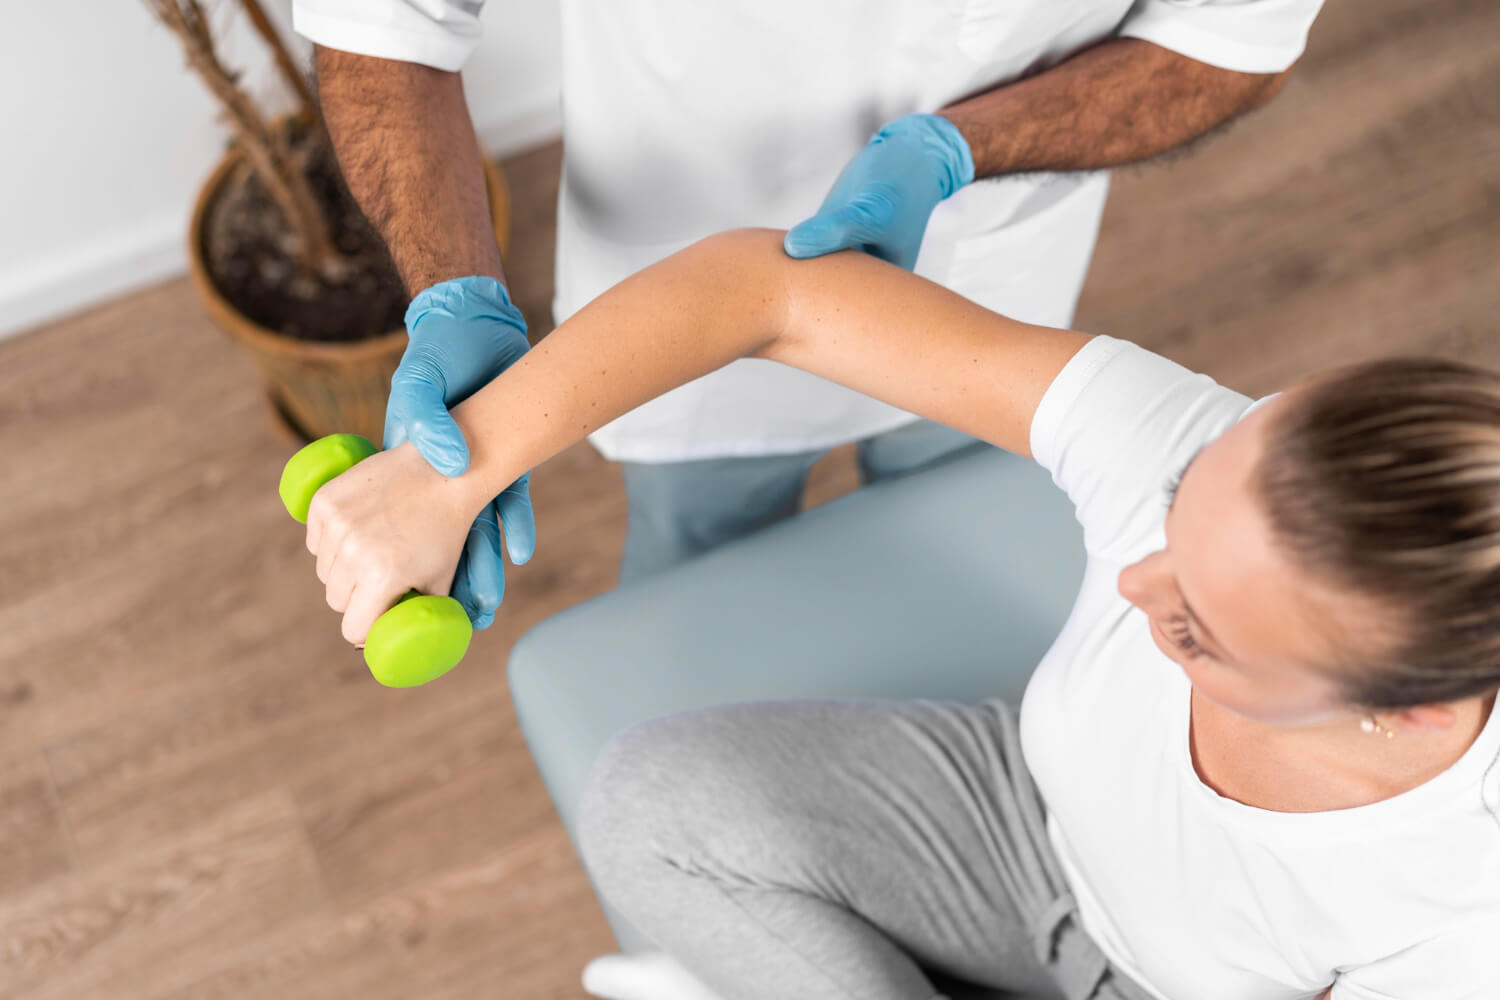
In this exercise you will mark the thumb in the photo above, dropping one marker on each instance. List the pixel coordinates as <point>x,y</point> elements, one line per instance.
<point>479,581</point>
<point>518,520</point>
<point>416,413</point>
<point>844,228</point>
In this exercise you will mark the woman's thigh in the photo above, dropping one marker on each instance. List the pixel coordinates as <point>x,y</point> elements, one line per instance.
<point>898,813</point>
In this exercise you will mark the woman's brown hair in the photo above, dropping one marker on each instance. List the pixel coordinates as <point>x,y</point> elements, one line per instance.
<point>1384,479</point>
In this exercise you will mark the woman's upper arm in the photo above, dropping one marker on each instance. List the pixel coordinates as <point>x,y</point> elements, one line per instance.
<point>912,343</point>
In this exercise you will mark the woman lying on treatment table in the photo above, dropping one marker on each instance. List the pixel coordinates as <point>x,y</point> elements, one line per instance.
<point>1263,740</point>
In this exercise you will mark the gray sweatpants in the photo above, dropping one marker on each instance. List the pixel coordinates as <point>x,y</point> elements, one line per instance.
<point>829,850</point>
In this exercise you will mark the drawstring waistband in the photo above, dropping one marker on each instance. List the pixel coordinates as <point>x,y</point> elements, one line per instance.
<point>1063,947</point>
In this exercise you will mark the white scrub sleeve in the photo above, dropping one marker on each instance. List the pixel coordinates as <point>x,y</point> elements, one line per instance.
<point>436,33</point>
<point>1248,36</point>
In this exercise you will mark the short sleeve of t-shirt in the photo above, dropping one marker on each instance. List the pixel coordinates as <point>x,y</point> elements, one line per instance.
<point>1455,964</point>
<point>1114,428</point>
<point>437,33</point>
<point>1248,36</point>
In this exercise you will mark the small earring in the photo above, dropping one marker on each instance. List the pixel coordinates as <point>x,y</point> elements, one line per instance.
<point>1372,726</point>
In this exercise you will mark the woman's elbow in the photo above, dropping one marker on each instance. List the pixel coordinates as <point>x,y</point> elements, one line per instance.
<point>751,265</point>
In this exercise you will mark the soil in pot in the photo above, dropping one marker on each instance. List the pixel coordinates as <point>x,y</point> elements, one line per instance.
<point>248,250</point>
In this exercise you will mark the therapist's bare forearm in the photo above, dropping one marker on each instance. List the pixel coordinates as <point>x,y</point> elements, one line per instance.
<point>407,149</point>
<point>847,317</point>
<point>1119,102</point>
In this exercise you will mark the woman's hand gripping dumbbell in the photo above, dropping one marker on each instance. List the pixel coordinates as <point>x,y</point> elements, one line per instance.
<point>409,637</point>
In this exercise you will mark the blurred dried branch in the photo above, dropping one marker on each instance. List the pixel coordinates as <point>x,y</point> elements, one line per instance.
<point>267,148</point>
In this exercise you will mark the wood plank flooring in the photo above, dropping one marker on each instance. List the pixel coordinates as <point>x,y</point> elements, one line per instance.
<point>202,795</point>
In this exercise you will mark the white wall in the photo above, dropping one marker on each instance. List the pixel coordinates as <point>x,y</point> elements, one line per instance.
<point>107,135</point>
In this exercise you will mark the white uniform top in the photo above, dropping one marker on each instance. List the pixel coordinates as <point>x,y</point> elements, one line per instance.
<point>1194,894</point>
<point>683,117</point>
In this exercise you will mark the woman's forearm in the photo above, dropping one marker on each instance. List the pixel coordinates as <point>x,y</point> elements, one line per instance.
<point>694,312</point>
<point>848,317</point>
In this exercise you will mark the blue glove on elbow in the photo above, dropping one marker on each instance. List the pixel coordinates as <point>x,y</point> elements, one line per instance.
<point>464,332</point>
<point>881,202</point>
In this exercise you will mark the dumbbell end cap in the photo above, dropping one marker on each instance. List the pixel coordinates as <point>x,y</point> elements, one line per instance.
<point>417,641</point>
<point>317,463</point>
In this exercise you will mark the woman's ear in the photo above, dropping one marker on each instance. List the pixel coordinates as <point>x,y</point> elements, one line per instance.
<point>1433,718</point>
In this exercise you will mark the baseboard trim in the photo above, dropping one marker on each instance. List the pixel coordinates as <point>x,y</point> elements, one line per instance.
<point>114,264</point>
<point>83,276</point>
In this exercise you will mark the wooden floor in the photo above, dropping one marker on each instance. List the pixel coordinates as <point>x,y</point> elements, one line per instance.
<point>202,794</point>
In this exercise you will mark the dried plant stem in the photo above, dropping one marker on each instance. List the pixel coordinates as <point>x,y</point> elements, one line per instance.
<point>284,61</point>
<point>267,148</point>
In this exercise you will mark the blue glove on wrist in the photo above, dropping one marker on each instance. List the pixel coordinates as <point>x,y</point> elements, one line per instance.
<point>881,202</point>
<point>464,332</point>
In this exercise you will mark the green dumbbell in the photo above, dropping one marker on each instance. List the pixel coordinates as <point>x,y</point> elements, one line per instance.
<point>423,636</point>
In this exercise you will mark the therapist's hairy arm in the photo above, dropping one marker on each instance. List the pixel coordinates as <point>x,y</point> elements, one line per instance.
<point>1121,101</point>
<point>406,146</point>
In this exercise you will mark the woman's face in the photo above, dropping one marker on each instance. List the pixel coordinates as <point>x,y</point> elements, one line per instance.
<point>1246,626</point>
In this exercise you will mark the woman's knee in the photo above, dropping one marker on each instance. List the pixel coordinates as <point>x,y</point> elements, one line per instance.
<point>627,814</point>
<point>669,794</point>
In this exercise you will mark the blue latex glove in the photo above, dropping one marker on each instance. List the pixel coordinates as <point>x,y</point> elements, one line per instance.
<point>881,202</point>
<point>464,332</point>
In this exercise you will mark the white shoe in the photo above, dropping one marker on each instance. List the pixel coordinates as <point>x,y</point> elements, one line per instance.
<point>644,975</point>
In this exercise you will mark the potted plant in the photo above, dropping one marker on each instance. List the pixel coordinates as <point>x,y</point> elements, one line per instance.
<point>282,257</point>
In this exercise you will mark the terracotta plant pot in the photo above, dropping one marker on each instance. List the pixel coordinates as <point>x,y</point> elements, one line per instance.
<point>315,387</point>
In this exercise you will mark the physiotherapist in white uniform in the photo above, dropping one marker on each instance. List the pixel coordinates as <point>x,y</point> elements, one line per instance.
<point>966,139</point>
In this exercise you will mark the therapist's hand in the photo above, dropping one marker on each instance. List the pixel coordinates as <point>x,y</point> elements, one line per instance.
<point>464,332</point>
<point>881,202</point>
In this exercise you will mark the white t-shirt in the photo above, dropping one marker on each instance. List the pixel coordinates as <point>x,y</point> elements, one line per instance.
<point>1195,895</point>
<point>685,117</point>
